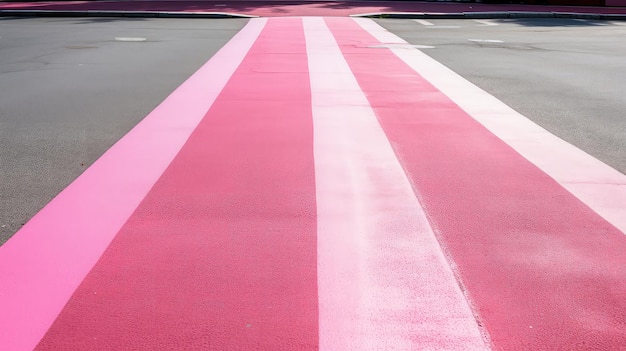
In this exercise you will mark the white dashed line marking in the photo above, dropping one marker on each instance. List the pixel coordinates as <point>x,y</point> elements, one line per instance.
<point>130,39</point>
<point>424,22</point>
<point>485,41</point>
<point>592,22</point>
<point>486,22</point>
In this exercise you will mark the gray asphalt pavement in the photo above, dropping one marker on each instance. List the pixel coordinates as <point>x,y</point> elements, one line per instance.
<point>566,75</point>
<point>72,87</point>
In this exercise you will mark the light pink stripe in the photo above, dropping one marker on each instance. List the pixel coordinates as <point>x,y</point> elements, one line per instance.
<point>599,186</point>
<point>42,265</point>
<point>383,281</point>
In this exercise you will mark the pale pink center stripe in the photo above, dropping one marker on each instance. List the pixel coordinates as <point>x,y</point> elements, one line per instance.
<point>599,186</point>
<point>41,266</point>
<point>383,281</point>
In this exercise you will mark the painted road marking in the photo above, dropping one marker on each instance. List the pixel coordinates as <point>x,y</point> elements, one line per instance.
<point>221,254</point>
<point>592,22</point>
<point>490,41</point>
<point>130,39</point>
<point>383,280</point>
<point>42,264</point>
<point>486,22</point>
<point>532,257</point>
<point>424,22</point>
<point>596,184</point>
<point>286,198</point>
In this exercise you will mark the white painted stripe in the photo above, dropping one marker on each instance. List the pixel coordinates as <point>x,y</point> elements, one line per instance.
<point>594,22</point>
<point>383,282</point>
<point>424,22</point>
<point>486,22</point>
<point>131,39</point>
<point>596,184</point>
<point>42,265</point>
<point>493,41</point>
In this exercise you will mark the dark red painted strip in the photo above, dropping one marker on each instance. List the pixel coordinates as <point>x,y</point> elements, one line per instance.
<point>222,252</point>
<point>543,270</point>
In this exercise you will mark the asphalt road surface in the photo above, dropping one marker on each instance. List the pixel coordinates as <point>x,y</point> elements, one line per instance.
<point>566,75</point>
<point>72,87</point>
<point>311,183</point>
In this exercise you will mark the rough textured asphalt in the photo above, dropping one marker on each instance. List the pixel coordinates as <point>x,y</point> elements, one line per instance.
<point>566,75</point>
<point>70,90</point>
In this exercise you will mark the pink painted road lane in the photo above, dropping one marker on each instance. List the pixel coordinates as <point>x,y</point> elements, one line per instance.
<point>542,270</point>
<point>41,266</point>
<point>308,189</point>
<point>221,254</point>
<point>383,282</point>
